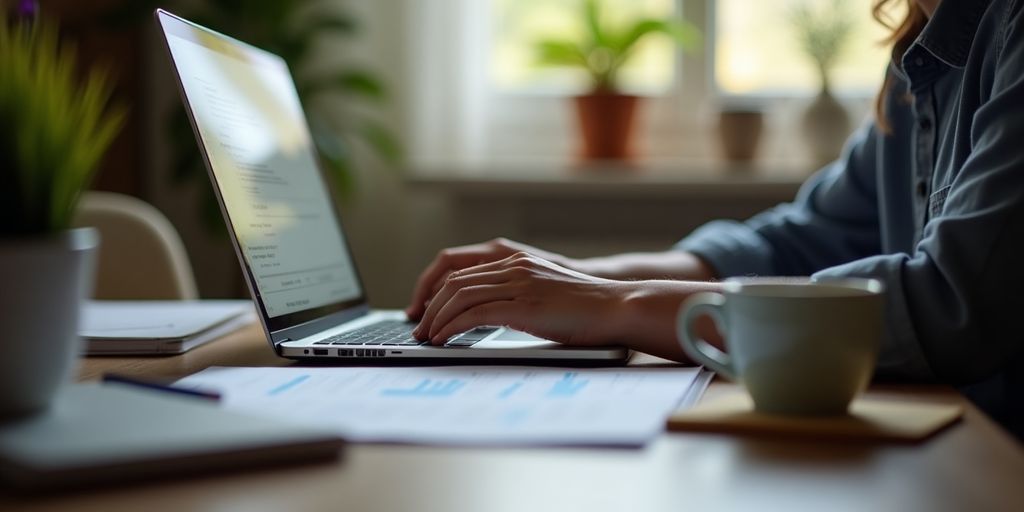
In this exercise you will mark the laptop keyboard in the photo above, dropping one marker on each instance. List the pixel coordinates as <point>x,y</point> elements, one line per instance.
<point>399,333</point>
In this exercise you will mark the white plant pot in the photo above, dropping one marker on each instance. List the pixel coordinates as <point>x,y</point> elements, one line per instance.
<point>44,282</point>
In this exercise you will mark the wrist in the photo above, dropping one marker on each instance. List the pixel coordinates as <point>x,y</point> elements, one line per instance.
<point>680,265</point>
<point>700,268</point>
<point>574,264</point>
<point>607,267</point>
<point>645,317</point>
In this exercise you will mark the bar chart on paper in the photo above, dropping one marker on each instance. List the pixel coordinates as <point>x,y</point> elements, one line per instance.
<point>462,405</point>
<point>427,387</point>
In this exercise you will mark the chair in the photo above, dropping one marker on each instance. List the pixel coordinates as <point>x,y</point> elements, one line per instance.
<point>141,255</point>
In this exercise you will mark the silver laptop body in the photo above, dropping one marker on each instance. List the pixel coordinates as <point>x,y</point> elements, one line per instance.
<point>248,121</point>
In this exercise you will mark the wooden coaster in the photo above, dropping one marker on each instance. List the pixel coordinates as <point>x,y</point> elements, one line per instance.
<point>869,420</point>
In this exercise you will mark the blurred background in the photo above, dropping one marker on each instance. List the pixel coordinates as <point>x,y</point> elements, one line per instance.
<point>585,127</point>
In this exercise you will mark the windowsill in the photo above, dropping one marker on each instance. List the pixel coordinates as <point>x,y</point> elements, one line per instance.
<point>648,177</point>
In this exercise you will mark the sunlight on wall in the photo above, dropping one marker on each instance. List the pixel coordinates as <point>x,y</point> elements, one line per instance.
<point>758,50</point>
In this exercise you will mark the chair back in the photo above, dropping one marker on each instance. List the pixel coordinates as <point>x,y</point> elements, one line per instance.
<point>141,255</point>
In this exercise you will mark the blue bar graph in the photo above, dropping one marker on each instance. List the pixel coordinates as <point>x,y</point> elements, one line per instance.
<point>507,392</point>
<point>288,385</point>
<point>427,387</point>
<point>568,386</point>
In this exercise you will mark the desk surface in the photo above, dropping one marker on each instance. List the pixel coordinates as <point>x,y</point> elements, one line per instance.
<point>972,466</point>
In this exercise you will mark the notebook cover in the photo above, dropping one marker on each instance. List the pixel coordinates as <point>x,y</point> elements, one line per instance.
<point>869,420</point>
<point>164,347</point>
<point>114,433</point>
<point>156,319</point>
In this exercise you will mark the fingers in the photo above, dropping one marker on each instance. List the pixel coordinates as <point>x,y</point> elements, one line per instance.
<point>502,312</point>
<point>465,299</point>
<point>430,297</point>
<point>486,274</point>
<point>440,284</point>
<point>446,261</point>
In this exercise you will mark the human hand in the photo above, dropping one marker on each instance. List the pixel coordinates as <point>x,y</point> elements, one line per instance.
<point>458,258</point>
<point>525,292</point>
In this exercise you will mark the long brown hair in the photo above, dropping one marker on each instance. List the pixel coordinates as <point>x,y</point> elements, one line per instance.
<point>903,35</point>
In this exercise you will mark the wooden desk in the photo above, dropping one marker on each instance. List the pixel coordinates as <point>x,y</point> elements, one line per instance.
<point>973,466</point>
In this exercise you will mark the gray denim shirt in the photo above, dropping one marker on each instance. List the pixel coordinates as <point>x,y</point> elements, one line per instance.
<point>935,210</point>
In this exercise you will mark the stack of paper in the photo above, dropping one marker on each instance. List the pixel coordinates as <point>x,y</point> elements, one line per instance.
<point>464,405</point>
<point>159,327</point>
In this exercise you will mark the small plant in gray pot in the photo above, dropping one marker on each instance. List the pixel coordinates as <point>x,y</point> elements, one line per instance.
<point>54,129</point>
<point>823,30</point>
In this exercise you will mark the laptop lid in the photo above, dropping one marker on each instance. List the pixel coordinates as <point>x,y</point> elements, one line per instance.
<point>249,123</point>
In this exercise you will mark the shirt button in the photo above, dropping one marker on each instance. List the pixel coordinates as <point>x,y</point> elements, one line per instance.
<point>924,123</point>
<point>922,189</point>
<point>919,62</point>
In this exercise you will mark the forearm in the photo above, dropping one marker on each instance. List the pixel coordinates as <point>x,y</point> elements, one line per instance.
<point>647,316</point>
<point>677,265</point>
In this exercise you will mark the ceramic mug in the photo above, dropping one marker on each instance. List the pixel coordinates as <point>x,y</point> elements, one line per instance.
<point>797,346</point>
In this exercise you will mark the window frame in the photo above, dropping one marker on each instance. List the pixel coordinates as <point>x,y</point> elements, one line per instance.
<point>486,125</point>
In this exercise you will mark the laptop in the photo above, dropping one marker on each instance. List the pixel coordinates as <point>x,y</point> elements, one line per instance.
<point>257,147</point>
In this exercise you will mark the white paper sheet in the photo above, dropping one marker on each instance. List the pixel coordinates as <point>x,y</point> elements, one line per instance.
<point>461,405</point>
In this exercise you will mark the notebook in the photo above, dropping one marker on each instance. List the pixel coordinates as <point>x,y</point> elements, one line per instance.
<point>113,433</point>
<point>158,326</point>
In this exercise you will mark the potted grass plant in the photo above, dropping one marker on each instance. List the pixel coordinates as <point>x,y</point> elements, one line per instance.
<point>54,128</point>
<point>606,114</point>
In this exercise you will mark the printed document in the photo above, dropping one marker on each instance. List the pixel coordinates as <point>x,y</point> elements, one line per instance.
<point>463,405</point>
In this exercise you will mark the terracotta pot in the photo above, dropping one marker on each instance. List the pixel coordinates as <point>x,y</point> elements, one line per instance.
<point>606,125</point>
<point>739,132</point>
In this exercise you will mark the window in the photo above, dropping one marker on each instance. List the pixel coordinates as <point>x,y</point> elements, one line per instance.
<point>480,97</point>
<point>519,24</point>
<point>758,52</point>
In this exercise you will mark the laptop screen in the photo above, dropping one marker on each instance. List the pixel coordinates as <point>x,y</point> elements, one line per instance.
<point>247,115</point>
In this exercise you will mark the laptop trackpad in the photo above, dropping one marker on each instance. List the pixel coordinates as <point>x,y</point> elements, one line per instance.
<point>512,335</point>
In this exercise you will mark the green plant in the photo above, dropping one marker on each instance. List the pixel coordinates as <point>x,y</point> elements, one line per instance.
<point>604,49</point>
<point>335,96</point>
<point>54,129</point>
<point>822,32</point>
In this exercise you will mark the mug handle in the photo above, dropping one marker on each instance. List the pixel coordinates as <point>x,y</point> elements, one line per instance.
<point>697,348</point>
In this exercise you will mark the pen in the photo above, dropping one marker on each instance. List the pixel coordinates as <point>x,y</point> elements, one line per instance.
<point>120,379</point>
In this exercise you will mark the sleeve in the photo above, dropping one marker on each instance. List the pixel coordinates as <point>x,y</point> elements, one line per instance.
<point>954,299</point>
<point>833,220</point>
